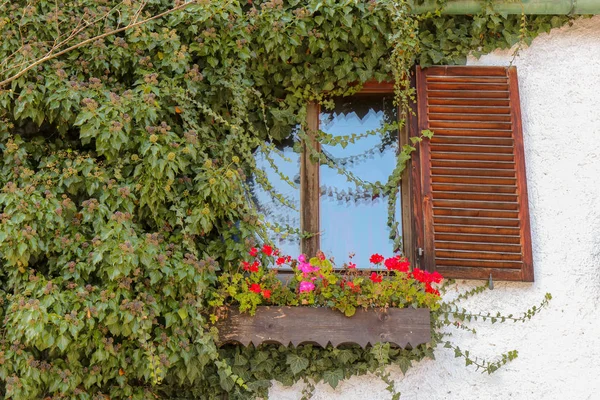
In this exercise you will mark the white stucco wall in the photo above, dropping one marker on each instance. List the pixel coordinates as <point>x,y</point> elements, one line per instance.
<point>559,350</point>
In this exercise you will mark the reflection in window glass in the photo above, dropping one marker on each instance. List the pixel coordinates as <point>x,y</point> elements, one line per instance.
<point>274,211</point>
<point>351,220</point>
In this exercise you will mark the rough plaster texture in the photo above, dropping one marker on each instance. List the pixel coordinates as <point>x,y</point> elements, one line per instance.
<point>559,350</point>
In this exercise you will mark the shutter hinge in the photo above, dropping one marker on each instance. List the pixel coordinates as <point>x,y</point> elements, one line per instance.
<point>491,283</point>
<point>420,251</point>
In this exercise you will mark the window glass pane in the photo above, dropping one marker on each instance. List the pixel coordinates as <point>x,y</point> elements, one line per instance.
<point>351,220</point>
<point>273,209</point>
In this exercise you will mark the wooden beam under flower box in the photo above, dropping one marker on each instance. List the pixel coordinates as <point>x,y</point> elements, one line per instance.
<point>404,327</point>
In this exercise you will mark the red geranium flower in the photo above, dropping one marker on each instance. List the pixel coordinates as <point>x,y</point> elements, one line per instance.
<point>255,287</point>
<point>351,265</point>
<point>397,263</point>
<point>376,278</point>
<point>254,266</point>
<point>436,277</point>
<point>376,258</point>
<point>427,277</point>
<point>246,265</point>
<point>430,289</point>
<point>268,250</point>
<point>351,285</point>
<point>404,266</point>
<point>266,293</point>
<point>280,260</point>
<point>421,276</point>
<point>390,263</point>
<point>253,252</point>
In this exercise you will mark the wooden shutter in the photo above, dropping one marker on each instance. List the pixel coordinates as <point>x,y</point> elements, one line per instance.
<point>472,174</point>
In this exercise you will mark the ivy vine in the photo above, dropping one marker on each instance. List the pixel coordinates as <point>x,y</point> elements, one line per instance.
<point>128,131</point>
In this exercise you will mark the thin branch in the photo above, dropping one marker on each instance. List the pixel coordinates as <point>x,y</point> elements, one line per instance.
<point>7,59</point>
<point>90,40</point>
<point>137,14</point>
<point>56,18</point>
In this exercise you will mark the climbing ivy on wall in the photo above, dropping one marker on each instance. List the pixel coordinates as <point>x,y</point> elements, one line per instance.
<point>125,164</point>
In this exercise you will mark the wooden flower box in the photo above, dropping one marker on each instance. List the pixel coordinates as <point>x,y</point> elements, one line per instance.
<point>403,327</point>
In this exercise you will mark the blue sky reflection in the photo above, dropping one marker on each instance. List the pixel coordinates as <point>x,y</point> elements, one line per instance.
<point>350,221</point>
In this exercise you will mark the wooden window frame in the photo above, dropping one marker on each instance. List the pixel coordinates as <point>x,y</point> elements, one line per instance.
<point>310,192</point>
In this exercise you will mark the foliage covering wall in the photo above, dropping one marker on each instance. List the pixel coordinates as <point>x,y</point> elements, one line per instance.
<point>124,173</point>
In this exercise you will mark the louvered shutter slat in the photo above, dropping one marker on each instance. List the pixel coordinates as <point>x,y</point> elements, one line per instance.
<point>472,174</point>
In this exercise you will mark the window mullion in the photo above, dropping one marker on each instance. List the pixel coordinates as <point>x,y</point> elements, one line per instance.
<point>405,191</point>
<point>310,191</point>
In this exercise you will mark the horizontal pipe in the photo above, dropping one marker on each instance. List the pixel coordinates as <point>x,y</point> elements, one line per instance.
<point>530,7</point>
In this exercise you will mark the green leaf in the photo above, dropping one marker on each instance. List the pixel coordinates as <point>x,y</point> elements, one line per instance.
<point>62,342</point>
<point>347,20</point>
<point>22,248</point>
<point>183,313</point>
<point>213,61</point>
<point>427,133</point>
<point>333,377</point>
<point>404,363</point>
<point>240,360</point>
<point>349,311</point>
<point>297,364</point>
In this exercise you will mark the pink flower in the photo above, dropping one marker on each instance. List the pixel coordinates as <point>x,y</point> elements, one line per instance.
<point>351,265</point>
<point>306,268</point>
<point>302,258</point>
<point>306,286</point>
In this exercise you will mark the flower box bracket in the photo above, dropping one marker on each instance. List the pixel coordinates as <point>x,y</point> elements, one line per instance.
<point>403,327</point>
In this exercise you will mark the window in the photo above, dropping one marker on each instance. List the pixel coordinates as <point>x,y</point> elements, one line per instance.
<point>282,213</point>
<point>463,204</point>
<point>346,219</point>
